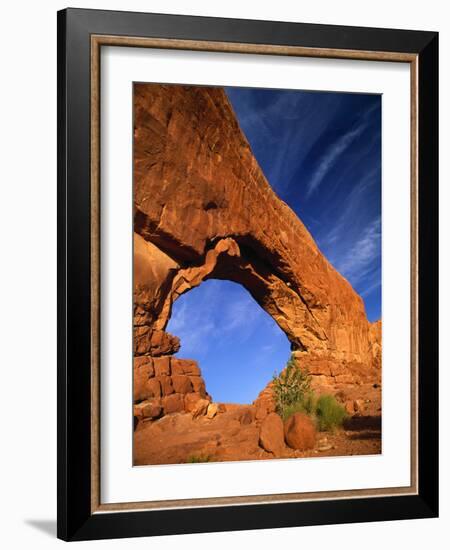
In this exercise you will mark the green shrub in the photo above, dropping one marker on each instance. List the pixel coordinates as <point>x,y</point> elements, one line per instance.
<point>306,406</point>
<point>194,459</point>
<point>291,387</point>
<point>329,413</point>
<point>293,394</point>
<point>309,403</point>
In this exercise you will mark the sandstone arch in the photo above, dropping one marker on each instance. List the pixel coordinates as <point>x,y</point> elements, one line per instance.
<point>203,209</point>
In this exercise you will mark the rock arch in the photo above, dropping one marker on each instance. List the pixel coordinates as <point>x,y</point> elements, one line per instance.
<point>203,209</point>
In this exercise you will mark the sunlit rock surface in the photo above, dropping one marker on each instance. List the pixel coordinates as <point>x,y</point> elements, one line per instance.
<point>203,209</point>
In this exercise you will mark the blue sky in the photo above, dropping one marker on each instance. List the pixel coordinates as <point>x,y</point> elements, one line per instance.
<point>321,153</point>
<point>237,344</point>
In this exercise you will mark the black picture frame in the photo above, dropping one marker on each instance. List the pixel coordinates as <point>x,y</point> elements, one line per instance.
<point>75,518</point>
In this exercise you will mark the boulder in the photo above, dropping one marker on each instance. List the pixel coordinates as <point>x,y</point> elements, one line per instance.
<point>200,408</point>
<point>271,434</point>
<point>300,432</point>
<point>213,409</point>
<point>190,401</point>
<point>148,409</point>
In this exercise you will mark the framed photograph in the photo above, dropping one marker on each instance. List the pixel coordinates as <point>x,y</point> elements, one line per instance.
<point>247,257</point>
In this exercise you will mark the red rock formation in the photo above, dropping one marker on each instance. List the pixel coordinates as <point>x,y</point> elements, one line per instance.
<point>300,432</point>
<point>271,435</point>
<point>160,389</point>
<point>375,343</point>
<point>203,209</point>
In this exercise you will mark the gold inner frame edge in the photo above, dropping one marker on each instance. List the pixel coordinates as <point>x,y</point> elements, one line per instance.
<point>208,46</point>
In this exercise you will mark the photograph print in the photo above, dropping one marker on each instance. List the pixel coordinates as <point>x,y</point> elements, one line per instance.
<point>257,274</point>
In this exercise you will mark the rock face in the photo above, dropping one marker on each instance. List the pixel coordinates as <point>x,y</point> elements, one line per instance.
<point>201,408</point>
<point>375,343</point>
<point>299,432</point>
<point>203,209</point>
<point>271,435</point>
<point>159,388</point>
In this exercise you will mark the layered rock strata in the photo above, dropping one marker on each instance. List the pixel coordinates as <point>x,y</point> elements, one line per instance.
<point>164,385</point>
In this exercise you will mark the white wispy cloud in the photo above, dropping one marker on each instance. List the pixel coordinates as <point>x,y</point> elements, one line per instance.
<point>193,327</point>
<point>353,202</point>
<point>293,143</point>
<point>239,313</point>
<point>359,259</point>
<point>332,155</point>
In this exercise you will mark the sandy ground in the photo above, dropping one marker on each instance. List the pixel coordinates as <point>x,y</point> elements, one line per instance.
<point>234,435</point>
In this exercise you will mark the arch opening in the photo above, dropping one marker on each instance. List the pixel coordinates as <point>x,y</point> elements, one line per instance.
<point>236,342</point>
